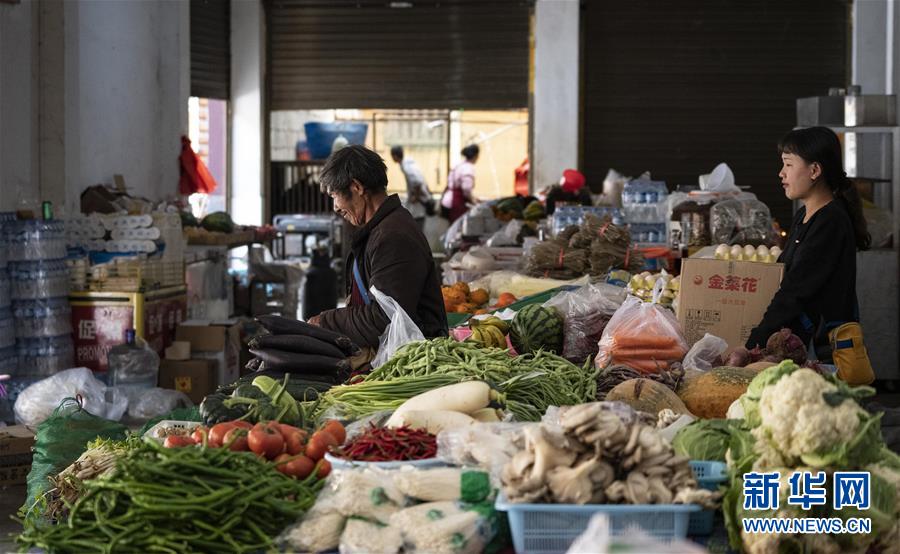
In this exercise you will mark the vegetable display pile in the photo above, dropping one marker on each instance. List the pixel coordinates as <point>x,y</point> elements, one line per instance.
<point>798,420</point>
<point>260,397</point>
<point>782,345</point>
<point>301,348</point>
<point>384,444</point>
<point>600,455</point>
<point>710,394</point>
<point>613,375</point>
<point>178,500</point>
<point>527,384</point>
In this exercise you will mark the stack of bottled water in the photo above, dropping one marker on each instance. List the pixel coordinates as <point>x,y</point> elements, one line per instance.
<point>39,289</point>
<point>646,205</point>
<point>8,361</point>
<point>565,216</point>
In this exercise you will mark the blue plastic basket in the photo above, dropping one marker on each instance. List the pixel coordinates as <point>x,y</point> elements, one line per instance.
<point>551,528</point>
<point>709,476</point>
<point>320,136</point>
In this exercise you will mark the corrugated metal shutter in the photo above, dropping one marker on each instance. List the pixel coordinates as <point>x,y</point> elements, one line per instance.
<point>677,87</point>
<point>211,48</point>
<point>417,54</point>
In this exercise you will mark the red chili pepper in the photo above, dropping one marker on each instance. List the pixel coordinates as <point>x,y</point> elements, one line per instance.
<point>382,444</point>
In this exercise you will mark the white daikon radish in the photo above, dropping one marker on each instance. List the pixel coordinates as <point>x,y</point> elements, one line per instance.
<point>465,398</point>
<point>486,415</point>
<point>433,421</point>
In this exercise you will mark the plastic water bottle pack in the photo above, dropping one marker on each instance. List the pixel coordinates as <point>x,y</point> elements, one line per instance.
<point>42,357</point>
<point>7,329</point>
<point>30,240</point>
<point>39,279</point>
<point>5,298</point>
<point>42,318</point>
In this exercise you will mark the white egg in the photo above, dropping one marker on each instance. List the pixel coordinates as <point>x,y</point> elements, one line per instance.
<point>721,251</point>
<point>736,252</point>
<point>775,251</point>
<point>749,251</point>
<point>762,252</point>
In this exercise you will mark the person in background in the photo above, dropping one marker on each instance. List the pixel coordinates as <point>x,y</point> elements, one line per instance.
<point>458,197</point>
<point>570,190</point>
<point>818,290</point>
<point>388,251</point>
<point>418,197</point>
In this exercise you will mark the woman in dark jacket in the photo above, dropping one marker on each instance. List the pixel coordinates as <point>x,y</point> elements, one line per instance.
<point>818,290</point>
<point>388,252</point>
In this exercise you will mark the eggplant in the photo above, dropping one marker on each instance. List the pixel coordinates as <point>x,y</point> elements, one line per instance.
<point>301,344</point>
<point>278,325</point>
<point>301,363</point>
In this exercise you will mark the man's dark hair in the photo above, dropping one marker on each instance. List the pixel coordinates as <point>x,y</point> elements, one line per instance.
<point>397,152</point>
<point>470,151</point>
<point>353,162</point>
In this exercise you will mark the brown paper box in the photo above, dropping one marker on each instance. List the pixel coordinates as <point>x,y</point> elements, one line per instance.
<point>195,378</point>
<point>15,454</point>
<point>725,298</point>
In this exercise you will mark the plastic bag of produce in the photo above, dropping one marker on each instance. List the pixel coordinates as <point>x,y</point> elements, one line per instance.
<point>741,221</point>
<point>446,528</point>
<point>37,402</point>
<point>400,331</point>
<point>586,312</point>
<point>642,335</point>
<point>156,402</point>
<point>364,537</point>
<point>60,440</point>
<point>319,531</point>
<point>599,538</point>
<point>369,493</point>
<point>706,353</point>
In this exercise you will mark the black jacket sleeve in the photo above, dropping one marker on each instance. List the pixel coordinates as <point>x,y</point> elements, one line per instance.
<point>814,263</point>
<point>397,268</point>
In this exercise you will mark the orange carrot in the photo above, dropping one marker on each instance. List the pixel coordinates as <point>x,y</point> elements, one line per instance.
<point>674,353</point>
<point>644,366</point>
<point>647,340</point>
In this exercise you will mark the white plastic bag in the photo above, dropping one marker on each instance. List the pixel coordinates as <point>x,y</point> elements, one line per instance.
<point>37,402</point>
<point>706,353</point>
<point>400,331</point>
<point>155,402</point>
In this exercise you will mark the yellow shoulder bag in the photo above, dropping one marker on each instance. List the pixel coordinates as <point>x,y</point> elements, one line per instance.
<point>849,354</point>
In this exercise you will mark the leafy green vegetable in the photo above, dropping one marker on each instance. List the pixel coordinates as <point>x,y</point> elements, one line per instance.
<point>705,439</point>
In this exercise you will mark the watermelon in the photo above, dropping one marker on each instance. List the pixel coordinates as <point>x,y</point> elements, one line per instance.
<point>536,327</point>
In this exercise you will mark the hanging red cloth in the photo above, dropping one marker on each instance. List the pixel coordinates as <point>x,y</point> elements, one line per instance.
<point>195,177</point>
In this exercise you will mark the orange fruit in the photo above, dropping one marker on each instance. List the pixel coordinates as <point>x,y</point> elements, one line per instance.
<point>479,297</point>
<point>506,299</point>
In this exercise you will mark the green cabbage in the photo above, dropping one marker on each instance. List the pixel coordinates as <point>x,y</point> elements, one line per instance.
<point>704,439</point>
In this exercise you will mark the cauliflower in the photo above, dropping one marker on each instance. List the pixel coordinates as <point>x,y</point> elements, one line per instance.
<point>797,420</point>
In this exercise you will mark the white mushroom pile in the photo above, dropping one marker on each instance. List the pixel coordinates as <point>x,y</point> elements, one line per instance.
<point>597,456</point>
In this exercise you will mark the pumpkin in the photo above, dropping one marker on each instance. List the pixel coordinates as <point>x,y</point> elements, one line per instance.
<point>709,395</point>
<point>462,287</point>
<point>453,296</point>
<point>759,366</point>
<point>646,395</point>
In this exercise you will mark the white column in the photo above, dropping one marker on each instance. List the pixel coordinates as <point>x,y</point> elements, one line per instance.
<point>247,64</point>
<point>555,108</point>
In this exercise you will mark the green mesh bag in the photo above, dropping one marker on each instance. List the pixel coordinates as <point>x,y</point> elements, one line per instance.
<point>60,440</point>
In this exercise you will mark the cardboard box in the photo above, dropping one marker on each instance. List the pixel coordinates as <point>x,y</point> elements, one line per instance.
<point>725,298</point>
<point>219,341</point>
<point>15,454</point>
<point>195,378</point>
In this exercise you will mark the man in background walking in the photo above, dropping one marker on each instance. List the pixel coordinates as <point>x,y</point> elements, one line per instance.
<point>419,202</point>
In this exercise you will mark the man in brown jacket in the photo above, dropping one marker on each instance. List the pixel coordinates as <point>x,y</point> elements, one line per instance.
<point>388,252</point>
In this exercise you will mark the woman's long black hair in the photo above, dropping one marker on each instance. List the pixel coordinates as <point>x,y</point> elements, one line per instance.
<point>821,145</point>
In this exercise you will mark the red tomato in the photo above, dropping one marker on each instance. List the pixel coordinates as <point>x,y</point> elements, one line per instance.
<point>242,424</point>
<point>217,433</point>
<point>336,430</point>
<point>265,440</point>
<point>178,441</point>
<point>200,435</point>
<point>236,439</point>
<point>323,468</point>
<point>281,463</point>
<point>300,467</point>
<point>319,444</point>
<point>294,441</point>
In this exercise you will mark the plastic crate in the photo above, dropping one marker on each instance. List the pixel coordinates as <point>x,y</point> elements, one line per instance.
<point>709,476</point>
<point>551,528</point>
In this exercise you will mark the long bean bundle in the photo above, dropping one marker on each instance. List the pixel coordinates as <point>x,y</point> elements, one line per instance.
<point>179,500</point>
<point>529,383</point>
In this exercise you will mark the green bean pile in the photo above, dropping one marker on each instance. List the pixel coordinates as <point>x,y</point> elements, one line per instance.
<point>176,500</point>
<point>529,383</point>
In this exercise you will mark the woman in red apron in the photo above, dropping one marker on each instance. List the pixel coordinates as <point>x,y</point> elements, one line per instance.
<point>458,195</point>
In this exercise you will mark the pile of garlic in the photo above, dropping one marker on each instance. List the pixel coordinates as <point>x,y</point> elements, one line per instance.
<point>748,253</point>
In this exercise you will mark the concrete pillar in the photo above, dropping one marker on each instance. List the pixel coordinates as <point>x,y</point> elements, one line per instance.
<point>247,204</point>
<point>555,107</point>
